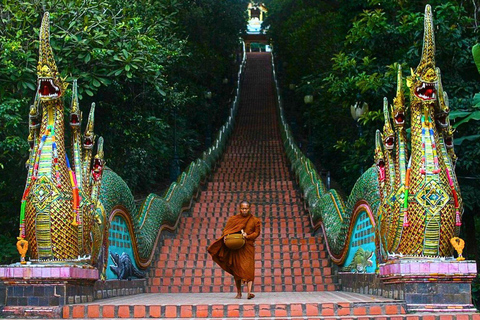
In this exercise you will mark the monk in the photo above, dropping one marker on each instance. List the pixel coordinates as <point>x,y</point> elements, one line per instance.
<point>239,263</point>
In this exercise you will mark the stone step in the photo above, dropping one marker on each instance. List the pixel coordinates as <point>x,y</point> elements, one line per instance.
<point>278,218</point>
<point>265,187</point>
<point>213,236</point>
<point>208,263</point>
<point>275,244</point>
<point>277,305</point>
<point>225,281</point>
<point>215,230</point>
<point>265,256</point>
<point>285,208</point>
<point>226,288</point>
<point>276,269</point>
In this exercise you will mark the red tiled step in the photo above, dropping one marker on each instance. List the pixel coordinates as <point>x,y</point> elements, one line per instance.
<point>226,210</point>
<point>272,243</point>
<point>269,225</point>
<point>264,305</point>
<point>218,286</point>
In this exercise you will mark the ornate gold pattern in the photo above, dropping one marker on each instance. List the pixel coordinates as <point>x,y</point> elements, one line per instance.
<point>52,193</point>
<point>420,202</point>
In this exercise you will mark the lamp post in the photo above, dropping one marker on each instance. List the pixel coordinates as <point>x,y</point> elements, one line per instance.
<point>208,136</point>
<point>175,165</point>
<point>308,99</point>
<point>357,110</point>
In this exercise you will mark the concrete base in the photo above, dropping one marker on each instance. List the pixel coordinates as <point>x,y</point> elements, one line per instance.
<point>116,288</point>
<point>47,285</point>
<point>426,285</point>
<point>430,284</point>
<point>40,291</point>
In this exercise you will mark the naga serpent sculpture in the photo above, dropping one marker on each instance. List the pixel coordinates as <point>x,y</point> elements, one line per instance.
<point>411,193</point>
<point>69,204</point>
<point>57,211</point>
<point>420,204</point>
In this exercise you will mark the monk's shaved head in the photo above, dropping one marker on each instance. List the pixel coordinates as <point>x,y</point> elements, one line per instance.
<point>245,202</point>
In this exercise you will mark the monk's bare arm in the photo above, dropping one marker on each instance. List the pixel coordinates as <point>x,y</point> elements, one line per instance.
<point>256,233</point>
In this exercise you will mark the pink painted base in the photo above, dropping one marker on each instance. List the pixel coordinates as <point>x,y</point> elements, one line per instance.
<point>48,272</point>
<point>430,285</point>
<point>433,268</point>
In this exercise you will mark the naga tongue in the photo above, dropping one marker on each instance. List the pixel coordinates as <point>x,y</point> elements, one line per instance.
<point>429,92</point>
<point>45,90</point>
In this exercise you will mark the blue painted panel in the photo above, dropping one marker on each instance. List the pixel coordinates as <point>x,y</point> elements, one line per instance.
<point>363,238</point>
<point>120,242</point>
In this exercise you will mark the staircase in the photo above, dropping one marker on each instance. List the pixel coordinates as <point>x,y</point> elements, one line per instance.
<point>254,168</point>
<point>294,277</point>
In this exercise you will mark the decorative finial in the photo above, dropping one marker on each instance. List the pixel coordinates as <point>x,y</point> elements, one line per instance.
<point>458,244</point>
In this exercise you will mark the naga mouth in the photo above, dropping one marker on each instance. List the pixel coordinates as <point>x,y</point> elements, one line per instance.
<point>389,142</point>
<point>381,163</point>
<point>449,142</point>
<point>48,89</point>
<point>426,92</point>
<point>88,142</point>
<point>399,118</point>
<point>97,169</point>
<point>34,123</point>
<point>74,120</point>
<point>442,120</point>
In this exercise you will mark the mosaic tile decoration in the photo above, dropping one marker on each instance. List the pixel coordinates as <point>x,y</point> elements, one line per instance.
<point>362,245</point>
<point>120,242</point>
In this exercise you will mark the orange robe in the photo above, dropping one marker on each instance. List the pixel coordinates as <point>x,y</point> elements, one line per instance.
<point>239,263</point>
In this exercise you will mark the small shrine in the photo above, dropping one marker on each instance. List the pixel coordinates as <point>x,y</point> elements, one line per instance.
<point>255,39</point>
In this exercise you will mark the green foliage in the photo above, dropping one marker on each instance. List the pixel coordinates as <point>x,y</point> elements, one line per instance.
<point>476,55</point>
<point>8,250</point>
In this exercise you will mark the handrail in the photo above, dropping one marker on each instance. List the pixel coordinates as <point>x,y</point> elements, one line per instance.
<point>327,209</point>
<point>163,212</point>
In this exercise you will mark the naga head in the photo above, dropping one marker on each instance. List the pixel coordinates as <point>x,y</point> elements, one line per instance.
<point>398,103</point>
<point>423,81</point>
<point>98,161</point>
<point>388,133</point>
<point>89,137</point>
<point>379,157</point>
<point>75,114</point>
<point>34,121</point>
<point>50,86</point>
<point>443,109</point>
